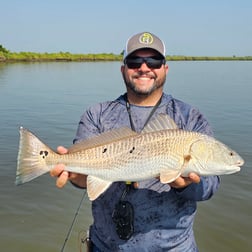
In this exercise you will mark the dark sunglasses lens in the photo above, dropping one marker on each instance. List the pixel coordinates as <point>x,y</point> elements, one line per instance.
<point>134,62</point>
<point>154,63</point>
<point>137,62</point>
<point>123,217</point>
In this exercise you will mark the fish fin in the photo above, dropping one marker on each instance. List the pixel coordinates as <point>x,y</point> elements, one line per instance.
<point>187,158</point>
<point>169,175</point>
<point>96,186</point>
<point>102,139</point>
<point>32,154</point>
<point>161,122</point>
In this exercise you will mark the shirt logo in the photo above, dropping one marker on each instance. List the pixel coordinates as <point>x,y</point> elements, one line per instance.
<point>146,38</point>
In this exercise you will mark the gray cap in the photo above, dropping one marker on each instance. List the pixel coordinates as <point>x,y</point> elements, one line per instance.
<point>144,40</point>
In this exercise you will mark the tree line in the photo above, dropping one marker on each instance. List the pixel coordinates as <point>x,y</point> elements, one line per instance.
<point>7,56</point>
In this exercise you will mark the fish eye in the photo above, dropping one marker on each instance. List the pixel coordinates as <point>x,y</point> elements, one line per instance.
<point>231,153</point>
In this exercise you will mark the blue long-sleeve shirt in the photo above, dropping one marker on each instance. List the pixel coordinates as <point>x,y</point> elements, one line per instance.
<point>163,216</point>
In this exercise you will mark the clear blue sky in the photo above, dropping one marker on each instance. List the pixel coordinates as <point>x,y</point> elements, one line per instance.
<point>188,27</point>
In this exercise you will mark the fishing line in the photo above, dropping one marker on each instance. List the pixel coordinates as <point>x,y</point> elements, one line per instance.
<point>74,219</point>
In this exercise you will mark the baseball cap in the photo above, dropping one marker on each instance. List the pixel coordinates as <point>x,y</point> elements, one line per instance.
<point>144,40</point>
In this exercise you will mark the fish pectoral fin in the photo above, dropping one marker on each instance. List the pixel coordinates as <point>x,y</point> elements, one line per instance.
<point>167,176</point>
<point>96,186</point>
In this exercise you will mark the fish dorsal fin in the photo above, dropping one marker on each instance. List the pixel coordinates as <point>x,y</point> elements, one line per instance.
<point>96,186</point>
<point>161,122</point>
<point>102,139</point>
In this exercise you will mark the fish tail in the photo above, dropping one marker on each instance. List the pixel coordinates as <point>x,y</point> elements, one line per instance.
<point>32,154</point>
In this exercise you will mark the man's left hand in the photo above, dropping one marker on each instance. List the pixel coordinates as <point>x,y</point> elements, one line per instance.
<point>182,182</point>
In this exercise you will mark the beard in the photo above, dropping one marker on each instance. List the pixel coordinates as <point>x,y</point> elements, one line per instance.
<point>157,83</point>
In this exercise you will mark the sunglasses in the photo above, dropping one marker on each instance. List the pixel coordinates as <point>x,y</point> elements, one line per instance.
<point>151,62</point>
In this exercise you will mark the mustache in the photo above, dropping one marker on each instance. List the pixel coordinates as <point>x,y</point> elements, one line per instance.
<point>148,75</point>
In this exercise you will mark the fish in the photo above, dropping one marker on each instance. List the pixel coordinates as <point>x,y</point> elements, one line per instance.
<point>161,150</point>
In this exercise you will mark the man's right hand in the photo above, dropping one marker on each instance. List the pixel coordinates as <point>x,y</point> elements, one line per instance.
<point>63,176</point>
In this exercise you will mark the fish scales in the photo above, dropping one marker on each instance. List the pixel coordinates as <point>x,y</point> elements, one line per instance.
<point>124,155</point>
<point>123,158</point>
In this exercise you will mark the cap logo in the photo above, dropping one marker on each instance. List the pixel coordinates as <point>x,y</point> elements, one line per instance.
<point>146,39</point>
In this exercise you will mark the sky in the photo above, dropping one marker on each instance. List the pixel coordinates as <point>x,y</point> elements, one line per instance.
<point>188,27</point>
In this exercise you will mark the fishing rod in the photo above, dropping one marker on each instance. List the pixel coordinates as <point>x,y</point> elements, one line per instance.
<point>73,221</point>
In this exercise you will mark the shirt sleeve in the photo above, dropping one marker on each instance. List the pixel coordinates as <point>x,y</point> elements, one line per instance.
<point>88,125</point>
<point>202,191</point>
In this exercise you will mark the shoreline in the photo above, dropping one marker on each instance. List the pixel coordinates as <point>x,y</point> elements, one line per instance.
<point>6,57</point>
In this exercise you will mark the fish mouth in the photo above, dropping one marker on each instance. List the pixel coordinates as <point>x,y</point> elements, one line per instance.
<point>235,168</point>
<point>238,168</point>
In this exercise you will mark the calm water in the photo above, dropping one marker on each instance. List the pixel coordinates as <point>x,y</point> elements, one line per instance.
<point>48,98</point>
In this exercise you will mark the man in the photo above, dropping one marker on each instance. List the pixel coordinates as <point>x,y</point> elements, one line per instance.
<point>149,216</point>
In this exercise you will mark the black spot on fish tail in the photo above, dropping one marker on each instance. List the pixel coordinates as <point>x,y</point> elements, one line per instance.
<point>104,150</point>
<point>131,151</point>
<point>43,154</point>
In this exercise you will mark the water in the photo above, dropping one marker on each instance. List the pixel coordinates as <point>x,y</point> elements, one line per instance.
<point>48,98</point>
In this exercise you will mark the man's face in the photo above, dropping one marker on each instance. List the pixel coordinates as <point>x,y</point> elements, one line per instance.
<point>143,80</point>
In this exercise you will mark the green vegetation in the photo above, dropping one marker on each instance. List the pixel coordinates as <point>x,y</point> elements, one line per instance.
<point>61,56</point>
<point>7,56</point>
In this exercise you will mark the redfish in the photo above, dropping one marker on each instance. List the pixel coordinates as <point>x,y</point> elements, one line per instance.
<point>160,150</point>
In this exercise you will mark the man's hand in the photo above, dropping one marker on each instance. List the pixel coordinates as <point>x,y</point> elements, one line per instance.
<point>182,182</point>
<point>63,176</point>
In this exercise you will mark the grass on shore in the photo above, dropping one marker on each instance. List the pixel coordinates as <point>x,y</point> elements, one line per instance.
<point>6,56</point>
